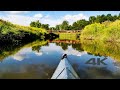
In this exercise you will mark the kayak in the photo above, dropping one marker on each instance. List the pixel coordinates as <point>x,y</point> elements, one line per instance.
<point>65,71</point>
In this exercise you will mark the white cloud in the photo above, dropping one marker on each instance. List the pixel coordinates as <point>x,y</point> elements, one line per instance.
<point>15,18</point>
<point>19,57</point>
<point>51,22</point>
<point>73,18</point>
<point>71,51</point>
<point>22,54</point>
<point>38,53</point>
<point>49,49</point>
<point>38,15</point>
<point>25,20</point>
<point>19,19</point>
<point>74,52</point>
<point>16,12</point>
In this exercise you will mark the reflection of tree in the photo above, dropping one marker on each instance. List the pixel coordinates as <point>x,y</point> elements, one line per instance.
<point>102,48</point>
<point>37,45</point>
<point>10,49</point>
<point>64,46</point>
<point>36,48</point>
<point>77,46</point>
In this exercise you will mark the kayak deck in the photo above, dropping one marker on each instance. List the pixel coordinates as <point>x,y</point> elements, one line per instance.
<point>65,71</point>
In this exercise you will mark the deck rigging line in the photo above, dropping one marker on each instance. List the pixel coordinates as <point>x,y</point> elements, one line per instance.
<point>60,73</point>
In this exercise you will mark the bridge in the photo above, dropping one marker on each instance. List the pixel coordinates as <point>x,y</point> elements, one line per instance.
<point>63,31</point>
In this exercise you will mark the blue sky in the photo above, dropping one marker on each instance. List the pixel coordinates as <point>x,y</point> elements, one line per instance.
<point>49,17</point>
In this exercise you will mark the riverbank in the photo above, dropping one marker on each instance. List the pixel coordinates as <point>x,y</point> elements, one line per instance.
<point>69,36</point>
<point>15,34</point>
<point>106,31</point>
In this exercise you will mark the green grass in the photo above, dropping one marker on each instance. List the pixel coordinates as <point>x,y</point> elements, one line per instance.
<point>6,27</point>
<point>11,32</point>
<point>107,31</point>
<point>68,36</point>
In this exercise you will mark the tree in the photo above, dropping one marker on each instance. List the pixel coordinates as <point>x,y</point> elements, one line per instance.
<point>109,17</point>
<point>32,24</point>
<point>75,26</point>
<point>119,16</point>
<point>82,23</point>
<point>58,27</point>
<point>70,27</point>
<point>115,17</point>
<point>38,24</point>
<point>65,25</point>
<point>45,26</point>
<point>103,18</point>
<point>52,28</point>
<point>35,24</point>
<point>98,19</point>
<point>92,19</point>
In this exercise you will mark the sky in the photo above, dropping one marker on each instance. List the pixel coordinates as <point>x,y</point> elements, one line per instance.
<point>49,17</point>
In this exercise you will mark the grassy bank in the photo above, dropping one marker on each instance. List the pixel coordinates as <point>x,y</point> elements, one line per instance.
<point>11,33</point>
<point>68,36</point>
<point>107,31</point>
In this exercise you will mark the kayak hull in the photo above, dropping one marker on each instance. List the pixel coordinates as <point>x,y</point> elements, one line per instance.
<point>65,71</point>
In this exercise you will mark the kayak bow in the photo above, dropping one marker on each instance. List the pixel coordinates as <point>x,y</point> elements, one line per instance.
<point>65,71</point>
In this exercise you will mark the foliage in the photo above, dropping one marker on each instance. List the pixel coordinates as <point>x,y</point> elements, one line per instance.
<point>64,25</point>
<point>100,48</point>
<point>11,32</point>
<point>68,36</point>
<point>107,31</point>
<point>37,24</point>
<point>80,24</point>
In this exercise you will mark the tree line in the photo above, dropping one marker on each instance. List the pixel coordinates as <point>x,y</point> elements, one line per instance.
<point>37,24</point>
<point>78,25</point>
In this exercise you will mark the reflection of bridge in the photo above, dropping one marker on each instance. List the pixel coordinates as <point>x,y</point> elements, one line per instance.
<point>66,41</point>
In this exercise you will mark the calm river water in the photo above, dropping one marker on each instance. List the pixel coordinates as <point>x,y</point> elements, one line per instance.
<point>38,60</point>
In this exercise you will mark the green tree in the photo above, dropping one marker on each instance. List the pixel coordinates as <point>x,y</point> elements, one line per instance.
<point>115,17</point>
<point>109,17</point>
<point>45,26</point>
<point>32,24</point>
<point>52,28</point>
<point>35,24</point>
<point>58,27</point>
<point>75,26</point>
<point>38,24</point>
<point>103,18</point>
<point>70,27</point>
<point>82,23</point>
<point>92,19</point>
<point>119,16</point>
<point>65,25</point>
<point>98,19</point>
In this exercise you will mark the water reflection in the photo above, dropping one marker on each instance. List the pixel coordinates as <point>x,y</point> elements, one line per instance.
<point>22,54</point>
<point>39,59</point>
